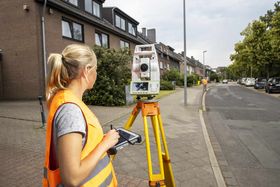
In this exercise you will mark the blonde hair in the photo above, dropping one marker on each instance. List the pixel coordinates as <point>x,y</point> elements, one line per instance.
<point>65,67</point>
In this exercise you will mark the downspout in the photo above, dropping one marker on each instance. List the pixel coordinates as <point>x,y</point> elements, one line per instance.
<point>44,46</point>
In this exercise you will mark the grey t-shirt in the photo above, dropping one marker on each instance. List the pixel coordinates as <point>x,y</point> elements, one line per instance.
<point>68,118</point>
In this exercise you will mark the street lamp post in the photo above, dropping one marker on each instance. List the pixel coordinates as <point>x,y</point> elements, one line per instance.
<point>204,63</point>
<point>185,55</point>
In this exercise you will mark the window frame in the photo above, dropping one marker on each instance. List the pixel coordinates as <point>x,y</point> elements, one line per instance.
<point>71,26</point>
<point>133,27</point>
<point>125,42</point>
<point>91,12</point>
<point>68,1</point>
<point>99,6</point>
<point>102,34</point>
<point>121,18</point>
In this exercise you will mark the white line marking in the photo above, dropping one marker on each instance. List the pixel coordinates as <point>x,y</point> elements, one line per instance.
<point>213,160</point>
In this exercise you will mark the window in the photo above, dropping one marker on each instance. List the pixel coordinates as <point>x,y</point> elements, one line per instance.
<point>88,6</point>
<point>160,65</point>
<point>124,44</point>
<point>102,39</point>
<point>96,9</point>
<point>131,29</point>
<point>73,2</point>
<point>92,7</point>
<point>168,67</point>
<point>72,30</point>
<point>120,22</point>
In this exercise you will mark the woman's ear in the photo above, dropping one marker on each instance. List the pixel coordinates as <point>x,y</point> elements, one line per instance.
<point>87,68</point>
<point>85,72</point>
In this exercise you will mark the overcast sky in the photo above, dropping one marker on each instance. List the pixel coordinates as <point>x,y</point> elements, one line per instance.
<point>212,25</point>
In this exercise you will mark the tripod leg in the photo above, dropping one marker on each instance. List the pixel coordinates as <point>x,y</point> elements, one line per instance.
<point>169,177</point>
<point>158,143</point>
<point>148,150</point>
<point>132,118</point>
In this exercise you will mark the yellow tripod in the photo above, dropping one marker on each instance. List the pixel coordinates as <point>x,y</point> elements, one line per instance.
<point>151,108</point>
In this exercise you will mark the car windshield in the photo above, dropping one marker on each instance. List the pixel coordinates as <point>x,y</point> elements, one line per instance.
<point>277,80</point>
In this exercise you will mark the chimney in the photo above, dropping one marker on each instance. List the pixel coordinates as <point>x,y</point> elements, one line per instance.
<point>144,31</point>
<point>151,35</point>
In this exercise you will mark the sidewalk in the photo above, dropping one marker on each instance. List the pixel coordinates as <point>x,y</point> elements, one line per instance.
<point>22,143</point>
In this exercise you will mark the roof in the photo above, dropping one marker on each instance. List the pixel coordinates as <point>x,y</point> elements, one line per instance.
<point>160,47</point>
<point>116,9</point>
<point>82,15</point>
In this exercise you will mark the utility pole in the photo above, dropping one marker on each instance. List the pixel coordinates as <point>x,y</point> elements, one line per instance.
<point>204,63</point>
<point>185,56</point>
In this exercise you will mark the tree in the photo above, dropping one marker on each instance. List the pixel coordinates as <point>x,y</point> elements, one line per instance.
<point>113,74</point>
<point>258,54</point>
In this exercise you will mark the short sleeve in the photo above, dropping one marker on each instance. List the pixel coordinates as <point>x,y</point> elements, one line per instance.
<point>69,119</point>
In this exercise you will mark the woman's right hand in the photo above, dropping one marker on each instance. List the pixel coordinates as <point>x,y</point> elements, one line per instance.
<point>110,139</point>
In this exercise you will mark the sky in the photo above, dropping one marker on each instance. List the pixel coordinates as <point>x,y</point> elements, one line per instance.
<point>211,25</point>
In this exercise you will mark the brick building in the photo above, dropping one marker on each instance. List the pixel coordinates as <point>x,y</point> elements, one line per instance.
<point>22,69</point>
<point>22,62</point>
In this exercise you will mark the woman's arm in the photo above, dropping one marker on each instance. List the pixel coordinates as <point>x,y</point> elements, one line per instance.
<point>73,171</point>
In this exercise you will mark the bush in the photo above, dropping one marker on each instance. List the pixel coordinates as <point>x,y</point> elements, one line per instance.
<point>166,85</point>
<point>113,74</point>
<point>174,75</point>
<point>190,80</point>
<point>171,75</point>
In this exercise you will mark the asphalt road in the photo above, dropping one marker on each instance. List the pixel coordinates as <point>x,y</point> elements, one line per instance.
<point>244,130</point>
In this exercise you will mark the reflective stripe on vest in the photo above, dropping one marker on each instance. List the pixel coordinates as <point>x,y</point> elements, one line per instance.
<point>102,164</point>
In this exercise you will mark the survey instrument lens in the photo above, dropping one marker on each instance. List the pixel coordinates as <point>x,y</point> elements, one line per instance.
<point>144,67</point>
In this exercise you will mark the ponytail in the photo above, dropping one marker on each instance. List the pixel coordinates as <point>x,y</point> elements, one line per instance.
<point>63,68</point>
<point>57,77</point>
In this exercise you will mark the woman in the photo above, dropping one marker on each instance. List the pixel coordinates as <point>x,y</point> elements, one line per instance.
<point>76,148</point>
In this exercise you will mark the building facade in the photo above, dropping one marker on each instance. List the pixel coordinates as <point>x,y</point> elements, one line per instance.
<point>25,24</point>
<point>167,58</point>
<point>22,70</point>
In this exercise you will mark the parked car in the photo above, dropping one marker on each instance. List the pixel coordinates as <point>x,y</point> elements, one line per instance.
<point>225,81</point>
<point>250,82</point>
<point>260,83</point>
<point>243,80</point>
<point>273,85</point>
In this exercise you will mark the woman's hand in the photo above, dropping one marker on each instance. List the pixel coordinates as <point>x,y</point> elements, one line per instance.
<point>110,139</point>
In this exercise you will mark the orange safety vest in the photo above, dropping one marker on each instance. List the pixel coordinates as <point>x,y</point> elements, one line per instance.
<point>103,174</point>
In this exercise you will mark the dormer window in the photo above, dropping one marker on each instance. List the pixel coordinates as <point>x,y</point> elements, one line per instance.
<point>131,29</point>
<point>73,2</point>
<point>120,22</point>
<point>92,7</point>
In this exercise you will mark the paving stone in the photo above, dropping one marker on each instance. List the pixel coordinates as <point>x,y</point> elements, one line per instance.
<point>22,143</point>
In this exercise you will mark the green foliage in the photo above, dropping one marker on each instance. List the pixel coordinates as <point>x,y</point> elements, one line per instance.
<point>174,75</point>
<point>258,54</point>
<point>171,75</point>
<point>112,75</point>
<point>214,77</point>
<point>192,79</point>
<point>166,85</point>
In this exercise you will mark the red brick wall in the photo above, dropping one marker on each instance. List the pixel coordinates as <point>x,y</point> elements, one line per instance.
<point>19,42</point>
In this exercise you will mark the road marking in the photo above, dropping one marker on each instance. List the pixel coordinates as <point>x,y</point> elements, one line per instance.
<point>213,160</point>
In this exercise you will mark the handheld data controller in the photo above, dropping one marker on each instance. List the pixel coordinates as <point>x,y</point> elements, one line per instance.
<point>126,137</point>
